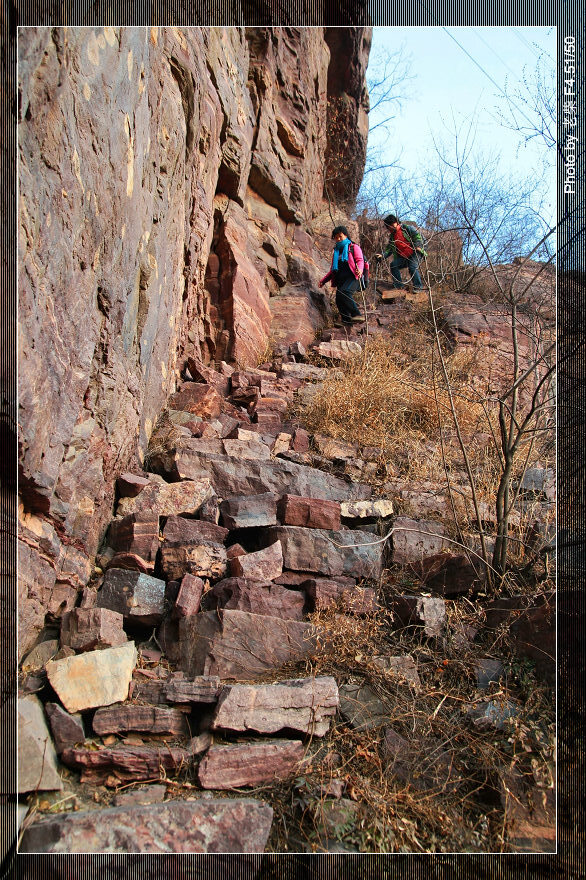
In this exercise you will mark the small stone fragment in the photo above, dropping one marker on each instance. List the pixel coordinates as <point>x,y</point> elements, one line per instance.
<point>87,629</point>
<point>264,565</point>
<point>137,596</point>
<point>67,729</point>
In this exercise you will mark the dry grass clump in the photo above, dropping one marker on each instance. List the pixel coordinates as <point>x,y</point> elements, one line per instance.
<point>385,397</point>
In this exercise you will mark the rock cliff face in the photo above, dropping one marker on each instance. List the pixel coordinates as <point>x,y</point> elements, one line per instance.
<point>168,182</point>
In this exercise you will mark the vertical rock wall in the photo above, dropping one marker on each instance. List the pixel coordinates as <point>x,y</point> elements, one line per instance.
<point>167,180</point>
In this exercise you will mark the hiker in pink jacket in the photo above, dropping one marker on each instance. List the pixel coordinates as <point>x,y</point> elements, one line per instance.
<point>345,273</point>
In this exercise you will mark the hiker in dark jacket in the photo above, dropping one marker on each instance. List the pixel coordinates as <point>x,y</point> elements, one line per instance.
<point>345,273</point>
<point>404,245</point>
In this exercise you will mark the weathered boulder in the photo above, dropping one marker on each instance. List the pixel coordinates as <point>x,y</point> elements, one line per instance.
<point>237,644</point>
<point>96,678</point>
<point>136,533</point>
<point>303,704</point>
<point>245,511</point>
<point>324,593</point>
<point>136,596</point>
<point>421,610</point>
<point>189,596</point>
<point>177,826</point>
<point>193,547</point>
<point>330,553</point>
<point>380,508</point>
<point>86,629</point>
<point>167,499</point>
<point>258,597</point>
<point>247,764</point>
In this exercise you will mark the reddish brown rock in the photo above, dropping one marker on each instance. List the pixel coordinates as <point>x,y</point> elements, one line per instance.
<point>202,373</point>
<point>247,764</point>
<point>300,440</point>
<point>67,729</point>
<point>236,644</point>
<point>138,597</point>
<point>86,629</point>
<point>235,550</point>
<point>258,597</point>
<point>139,719</point>
<point>193,547</point>
<point>268,423</point>
<point>124,763</point>
<point>131,485</point>
<point>303,704</point>
<point>220,825</point>
<point>263,565</point>
<point>531,626</point>
<point>200,399</point>
<point>270,405</point>
<point>312,513</point>
<point>189,596</point>
<point>137,533</point>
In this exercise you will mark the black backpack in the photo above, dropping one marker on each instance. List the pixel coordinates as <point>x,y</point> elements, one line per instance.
<point>365,277</point>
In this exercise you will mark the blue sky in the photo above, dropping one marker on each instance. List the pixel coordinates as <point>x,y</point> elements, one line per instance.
<point>446,82</point>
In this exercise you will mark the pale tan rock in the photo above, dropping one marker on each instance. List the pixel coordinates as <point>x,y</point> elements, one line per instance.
<point>96,678</point>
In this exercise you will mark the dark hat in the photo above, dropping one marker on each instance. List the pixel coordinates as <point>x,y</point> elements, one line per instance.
<point>390,219</point>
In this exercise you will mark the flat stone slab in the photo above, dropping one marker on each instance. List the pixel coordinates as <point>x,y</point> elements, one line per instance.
<point>303,704</point>
<point>218,825</point>
<point>125,762</point>
<point>96,678</point>
<point>201,689</point>
<point>37,760</point>
<point>403,667</point>
<point>229,476</point>
<point>304,372</point>
<point>239,645</point>
<point>140,719</point>
<point>330,553</point>
<point>246,764</point>
<point>138,597</point>
<point>338,349</point>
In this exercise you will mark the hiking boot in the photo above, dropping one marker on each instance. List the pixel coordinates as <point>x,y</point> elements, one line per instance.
<point>357,319</point>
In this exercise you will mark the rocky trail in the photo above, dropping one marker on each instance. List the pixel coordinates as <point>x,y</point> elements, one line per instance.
<point>281,649</point>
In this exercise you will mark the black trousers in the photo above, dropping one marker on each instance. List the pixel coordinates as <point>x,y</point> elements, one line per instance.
<point>345,302</point>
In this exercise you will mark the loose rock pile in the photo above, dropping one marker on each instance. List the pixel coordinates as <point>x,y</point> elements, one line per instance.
<point>168,671</point>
